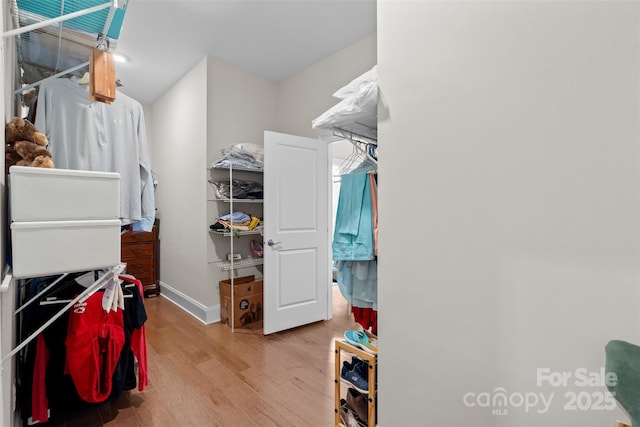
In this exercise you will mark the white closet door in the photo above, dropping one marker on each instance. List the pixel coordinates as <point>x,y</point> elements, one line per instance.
<point>296,236</point>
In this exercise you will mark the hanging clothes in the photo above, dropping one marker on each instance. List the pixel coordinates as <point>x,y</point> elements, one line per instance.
<point>367,318</point>
<point>43,385</point>
<point>39,402</point>
<point>353,234</point>
<point>135,346</point>
<point>358,282</point>
<point>374,205</point>
<point>94,342</point>
<point>89,135</point>
<point>355,246</point>
<point>61,369</point>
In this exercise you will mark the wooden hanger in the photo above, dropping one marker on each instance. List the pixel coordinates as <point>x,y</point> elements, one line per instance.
<point>102,76</point>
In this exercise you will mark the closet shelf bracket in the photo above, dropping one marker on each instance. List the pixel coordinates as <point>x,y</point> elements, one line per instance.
<point>107,23</point>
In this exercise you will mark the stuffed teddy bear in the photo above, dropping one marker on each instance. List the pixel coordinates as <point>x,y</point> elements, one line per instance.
<point>23,130</point>
<point>25,146</point>
<point>32,155</point>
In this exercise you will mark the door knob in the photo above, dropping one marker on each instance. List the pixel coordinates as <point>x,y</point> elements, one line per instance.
<point>272,243</point>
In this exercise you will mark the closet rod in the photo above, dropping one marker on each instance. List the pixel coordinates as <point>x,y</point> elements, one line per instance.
<point>114,272</point>
<point>357,130</point>
<point>61,73</point>
<point>18,31</point>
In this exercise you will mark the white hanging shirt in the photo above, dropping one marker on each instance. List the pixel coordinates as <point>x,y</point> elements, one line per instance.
<point>89,135</point>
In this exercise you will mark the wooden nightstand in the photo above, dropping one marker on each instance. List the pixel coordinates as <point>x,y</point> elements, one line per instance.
<point>140,251</point>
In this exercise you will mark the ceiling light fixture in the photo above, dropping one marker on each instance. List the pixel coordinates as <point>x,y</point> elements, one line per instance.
<point>118,57</point>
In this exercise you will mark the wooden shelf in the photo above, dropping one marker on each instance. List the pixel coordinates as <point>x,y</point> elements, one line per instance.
<point>372,361</point>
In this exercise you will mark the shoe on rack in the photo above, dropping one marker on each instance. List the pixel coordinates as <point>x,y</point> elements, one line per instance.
<point>352,373</point>
<point>359,404</point>
<point>346,416</point>
<point>361,366</point>
<point>361,340</point>
<point>373,338</point>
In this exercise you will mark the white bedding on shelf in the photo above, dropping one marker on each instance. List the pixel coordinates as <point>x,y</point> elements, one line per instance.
<point>359,103</point>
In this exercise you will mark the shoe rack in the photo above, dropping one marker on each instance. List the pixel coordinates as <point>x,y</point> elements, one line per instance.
<point>372,362</point>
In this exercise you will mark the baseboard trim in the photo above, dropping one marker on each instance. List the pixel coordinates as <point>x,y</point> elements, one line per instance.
<point>206,315</point>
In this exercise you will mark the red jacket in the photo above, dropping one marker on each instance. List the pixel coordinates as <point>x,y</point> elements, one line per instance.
<point>94,342</point>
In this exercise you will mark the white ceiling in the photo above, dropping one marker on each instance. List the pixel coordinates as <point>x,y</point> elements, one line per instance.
<point>272,38</point>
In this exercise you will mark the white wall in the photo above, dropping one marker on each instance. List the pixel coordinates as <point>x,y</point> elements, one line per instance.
<point>511,145</point>
<point>179,158</point>
<point>241,107</point>
<point>307,94</point>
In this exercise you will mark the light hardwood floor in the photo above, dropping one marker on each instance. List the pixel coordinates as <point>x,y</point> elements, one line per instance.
<point>204,375</point>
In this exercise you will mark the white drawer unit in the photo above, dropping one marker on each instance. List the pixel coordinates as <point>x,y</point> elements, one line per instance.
<point>43,248</point>
<point>40,194</point>
<point>63,220</point>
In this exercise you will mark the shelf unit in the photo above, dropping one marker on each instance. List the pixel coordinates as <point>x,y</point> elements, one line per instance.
<point>366,130</point>
<point>258,201</point>
<point>237,169</point>
<point>372,363</point>
<point>239,233</point>
<point>232,265</point>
